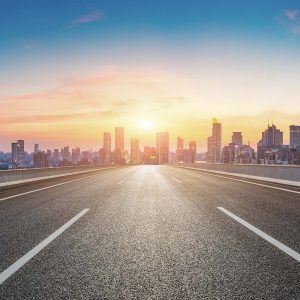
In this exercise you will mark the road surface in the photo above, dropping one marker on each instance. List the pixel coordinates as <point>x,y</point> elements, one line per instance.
<point>149,232</point>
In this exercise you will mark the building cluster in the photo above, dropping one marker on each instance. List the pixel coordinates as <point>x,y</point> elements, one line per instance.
<point>270,150</point>
<point>150,155</point>
<point>185,155</point>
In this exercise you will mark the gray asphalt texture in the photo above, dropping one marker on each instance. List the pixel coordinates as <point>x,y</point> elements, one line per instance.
<point>151,237</point>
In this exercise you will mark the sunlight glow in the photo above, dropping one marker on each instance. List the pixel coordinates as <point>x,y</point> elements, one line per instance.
<point>147,124</point>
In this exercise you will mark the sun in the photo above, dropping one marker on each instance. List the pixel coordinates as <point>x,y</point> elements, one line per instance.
<point>147,124</point>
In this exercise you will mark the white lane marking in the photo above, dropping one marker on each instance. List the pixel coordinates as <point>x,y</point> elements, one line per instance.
<point>120,182</point>
<point>177,180</point>
<point>24,259</point>
<point>245,181</point>
<point>45,188</point>
<point>265,236</point>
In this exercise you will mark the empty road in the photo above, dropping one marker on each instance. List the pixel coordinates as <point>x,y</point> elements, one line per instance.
<point>149,232</point>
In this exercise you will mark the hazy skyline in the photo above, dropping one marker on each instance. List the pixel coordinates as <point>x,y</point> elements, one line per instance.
<point>73,69</point>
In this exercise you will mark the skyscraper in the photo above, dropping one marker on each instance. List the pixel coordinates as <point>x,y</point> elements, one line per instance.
<point>107,148</point>
<point>193,151</point>
<point>40,160</point>
<point>237,138</point>
<point>162,147</point>
<point>270,149</point>
<point>179,149</point>
<point>21,152</point>
<point>272,136</point>
<point>36,148</point>
<point>119,145</point>
<point>55,157</point>
<point>66,154</point>
<point>294,136</point>
<point>75,155</point>
<point>214,143</point>
<point>135,151</point>
<point>15,157</point>
<point>18,153</point>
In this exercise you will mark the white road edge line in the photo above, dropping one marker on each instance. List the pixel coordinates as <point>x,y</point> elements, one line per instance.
<point>177,180</point>
<point>245,181</point>
<point>24,259</point>
<point>263,235</point>
<point>47,187</point>
<point>120,182</point>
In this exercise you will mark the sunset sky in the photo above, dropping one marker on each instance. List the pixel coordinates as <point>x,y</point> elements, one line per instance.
<point>70,70</point>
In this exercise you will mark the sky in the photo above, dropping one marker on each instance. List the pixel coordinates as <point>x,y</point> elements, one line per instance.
<point>70,70</point>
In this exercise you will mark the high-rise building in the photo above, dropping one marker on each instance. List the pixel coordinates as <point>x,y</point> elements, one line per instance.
<point>18,155</point>
<point>36,148</point>
<point>66,154</point>
<point>272,136</point>
<point>162,147</point>
<point>294,136</point>
<point>75,155</point>
<point>179,149</point>
<point>22,153</point>
<point>55,158</point>
<point>15,157</point>
<point>270,149</point>
<point>40,160</point>
<point>237,138</point>
<point>106,148</point>
<point>135,151</point>
<point>214,143</point>
<point>119,145</point>
<point>193,151</point>
<point>49,157</point>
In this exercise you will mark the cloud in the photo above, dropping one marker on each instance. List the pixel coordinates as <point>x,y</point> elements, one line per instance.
<point>93,16</point>
<point>291,14</point>
<point>49,118</point>
<point>291,21</point>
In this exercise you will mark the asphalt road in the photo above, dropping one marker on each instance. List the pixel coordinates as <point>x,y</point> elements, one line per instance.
<point>150,232</point>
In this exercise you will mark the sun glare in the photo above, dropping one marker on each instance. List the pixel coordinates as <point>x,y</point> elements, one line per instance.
<point>147,124</point>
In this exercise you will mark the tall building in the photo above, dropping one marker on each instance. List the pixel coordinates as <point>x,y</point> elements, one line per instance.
<point>22,154</point>
<point>40,160</point>
<point>66,153</point>
<point>106,148</point>
<point>294,136</point>
<point>15,157</point>
<point>55,158</point>
<point>179,149</point>
<point>272,136</point>
<point>75,155</point>
<point>18,155</point>
<point>270,149</point>
<point>135,151</point>
<point>36,148</point>
<point>119,145</point>
<point>162,147</point>
<point>237,138</point>
<point>214,143</point>
<point>49,158</point>
<point>193,151</point>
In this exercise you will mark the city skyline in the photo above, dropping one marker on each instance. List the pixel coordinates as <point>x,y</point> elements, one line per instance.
<point>150,133</point>
<point>74,74</point>
<point>126,139</point>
